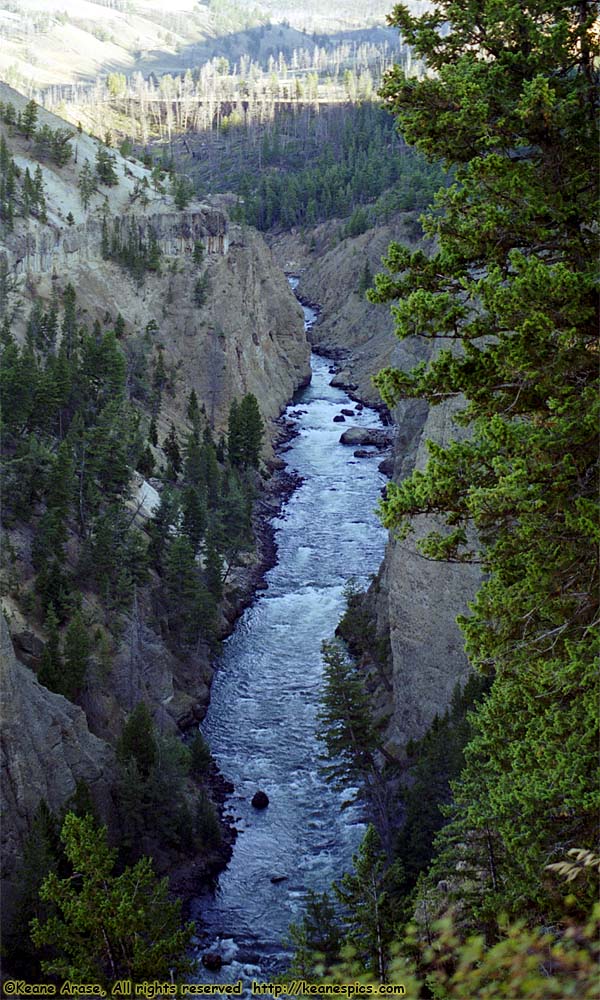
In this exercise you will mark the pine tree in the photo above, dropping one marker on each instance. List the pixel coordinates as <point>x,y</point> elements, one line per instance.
<point>69,323</point>
<point>172,451</point>
<point>253,430</point>
<point>153,433</point>
<point>183,192</point>
<point>29,119</point>
<point>368,896</point>
<point>76,652</point>
<point>193,411</point>
<point>188,603</point>
<point>193,508</point>
<point>201,288</point>
<point>346,726</point>
<point>42,854</point>
<point>200,756</point>
<point>38,194</point>
<point>138,741</point>
<point>510,102</point>
<point>86,184</point>
<point>198,252</point>
<point>106,167</point>
<point>119,327</point>
<point>51,669</point>
<point>108,926</point>
<point>234,435</point>
<point>316,938</point>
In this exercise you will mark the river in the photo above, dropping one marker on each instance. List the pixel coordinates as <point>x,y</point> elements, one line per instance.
<point>261,723</point>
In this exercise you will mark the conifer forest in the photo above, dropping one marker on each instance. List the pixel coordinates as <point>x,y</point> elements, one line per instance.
<point>299,574</point>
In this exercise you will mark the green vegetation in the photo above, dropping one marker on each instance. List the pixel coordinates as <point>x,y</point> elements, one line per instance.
<point>245,433</point>
<point>106,170</point>
<point>106,925</point>
<point>20,193</point>
<point>126,245</point>
<point>499,789</point>
<point>305,167</point>
<point>48,143</point>
<point>72,432</point>
<point>525,316</point>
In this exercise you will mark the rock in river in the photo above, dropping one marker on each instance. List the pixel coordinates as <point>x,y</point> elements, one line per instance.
<point>361,436</point>
<point>260,800</point>
<point>212,960</point>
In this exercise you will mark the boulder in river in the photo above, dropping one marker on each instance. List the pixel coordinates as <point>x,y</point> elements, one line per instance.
<point>343,381</point>
<point>379,437</point>
<point>339,419</point>
<point>260,800</point>
<point>212,960</point>
<point>278,878</point>
<point>348,413</point>
<point>362,453</point>
<point>386,466</point>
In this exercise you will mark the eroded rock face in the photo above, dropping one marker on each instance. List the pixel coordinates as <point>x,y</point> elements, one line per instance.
<point>416,601</point>
<point>45,749</point>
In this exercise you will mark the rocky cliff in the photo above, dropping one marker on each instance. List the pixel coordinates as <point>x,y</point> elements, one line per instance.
<point>45,749</point>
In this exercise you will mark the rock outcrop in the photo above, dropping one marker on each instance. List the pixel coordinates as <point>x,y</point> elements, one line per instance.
<point>416,601</point>
<point>45,749</point>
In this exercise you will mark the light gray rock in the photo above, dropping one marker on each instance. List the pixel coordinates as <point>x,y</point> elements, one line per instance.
<point>379,437</point>
<point>45,749</point>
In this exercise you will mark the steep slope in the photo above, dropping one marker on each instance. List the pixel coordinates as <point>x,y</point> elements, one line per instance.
<point>240,339</point>
<point>194,308</point>
<point>45,749</point>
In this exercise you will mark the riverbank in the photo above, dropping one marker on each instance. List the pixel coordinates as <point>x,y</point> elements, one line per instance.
<point>261,723</point>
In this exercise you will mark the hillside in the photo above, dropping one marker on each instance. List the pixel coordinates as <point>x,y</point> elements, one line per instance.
<point>110,284</point>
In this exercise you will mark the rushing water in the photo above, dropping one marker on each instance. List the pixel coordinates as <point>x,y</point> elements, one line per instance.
<point>261,724</point>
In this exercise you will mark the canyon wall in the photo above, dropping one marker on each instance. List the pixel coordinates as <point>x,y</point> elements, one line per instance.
<point>245,335</point>
<point>45,749</point>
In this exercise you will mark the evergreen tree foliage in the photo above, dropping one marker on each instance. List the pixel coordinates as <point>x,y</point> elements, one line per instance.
<point>51,667</point>
<point>183,191</point>
<point>198,252</point>
<point>207,828</point>
<point>106,167</point>
<point>361,169</point>
<point>86,184</point>
<point>125,243</point>
<point>200,756</point>
<point>29,119</point>
<point>172,451</point>
<point>245,432</point>
<point>201,289</point>
<point>434,762</point>
<point>42,854</point>
<point>108,925</point>
<point>367,895</point>
<point>511,101</point>
<point>316,938</point>
<point>189,605</point>
<point>137,741</point>
<point>345,720</point>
